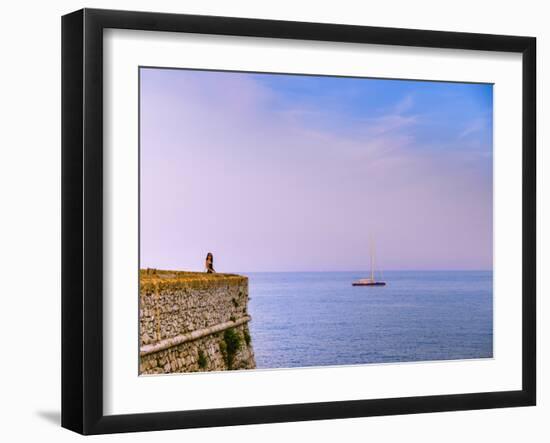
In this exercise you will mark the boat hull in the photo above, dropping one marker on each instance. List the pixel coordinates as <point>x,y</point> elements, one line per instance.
<point>374,283</point>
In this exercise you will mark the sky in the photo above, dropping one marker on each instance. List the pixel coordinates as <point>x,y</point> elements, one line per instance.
<point>281,173</point>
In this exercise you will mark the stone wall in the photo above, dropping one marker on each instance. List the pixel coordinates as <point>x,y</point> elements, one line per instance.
<point>192,321</point>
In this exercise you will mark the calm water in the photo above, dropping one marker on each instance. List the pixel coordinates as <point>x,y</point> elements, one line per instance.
<point>318,318</point>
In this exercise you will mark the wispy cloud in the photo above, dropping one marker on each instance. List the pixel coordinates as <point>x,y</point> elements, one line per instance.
<point>389,123</point>
<point>404,105</point>
<point>475,126</point>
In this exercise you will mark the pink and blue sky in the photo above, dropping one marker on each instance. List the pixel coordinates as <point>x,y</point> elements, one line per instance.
<point>298,173</point>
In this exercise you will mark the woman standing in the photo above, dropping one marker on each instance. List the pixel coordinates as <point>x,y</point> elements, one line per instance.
<point>209,264</point>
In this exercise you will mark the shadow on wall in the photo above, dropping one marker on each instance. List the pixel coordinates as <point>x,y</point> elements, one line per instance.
<point>54,417</point>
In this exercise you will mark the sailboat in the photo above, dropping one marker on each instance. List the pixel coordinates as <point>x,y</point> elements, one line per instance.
<point>370,281</point>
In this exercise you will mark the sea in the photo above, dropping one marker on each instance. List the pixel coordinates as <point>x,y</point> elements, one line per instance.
<point>304,319</point>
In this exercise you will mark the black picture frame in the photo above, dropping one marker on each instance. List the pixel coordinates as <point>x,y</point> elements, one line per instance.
<point>82,220</point>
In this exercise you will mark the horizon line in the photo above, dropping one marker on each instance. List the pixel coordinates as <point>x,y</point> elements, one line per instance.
<point>327,271</point>
<point>376,272</point>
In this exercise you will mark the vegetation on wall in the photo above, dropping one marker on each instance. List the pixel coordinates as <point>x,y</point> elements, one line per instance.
<point>202,360</point>
<point>230,345</point>
<point>155,280</point>
<point>247,337</point>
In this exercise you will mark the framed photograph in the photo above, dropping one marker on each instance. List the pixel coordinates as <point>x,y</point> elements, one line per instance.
<point>269,221</point>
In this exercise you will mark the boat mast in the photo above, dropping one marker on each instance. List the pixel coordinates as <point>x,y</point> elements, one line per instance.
<point>372,260</point>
